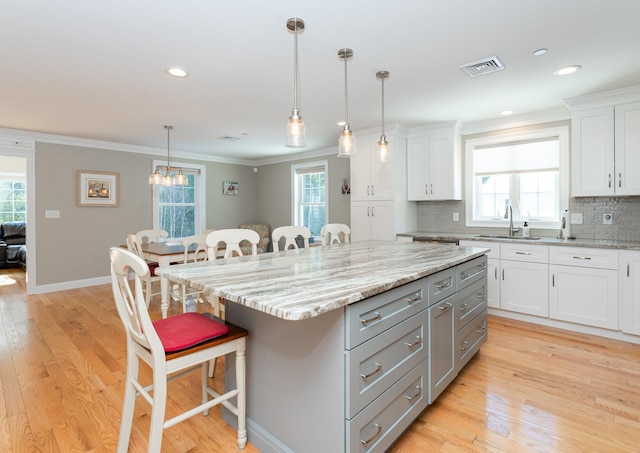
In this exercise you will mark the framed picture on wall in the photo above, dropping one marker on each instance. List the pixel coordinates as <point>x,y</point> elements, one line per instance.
<point>98,188</point>
<point>230,188</point>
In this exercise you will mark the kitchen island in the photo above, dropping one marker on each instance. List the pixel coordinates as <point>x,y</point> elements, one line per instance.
<point>313,315</point>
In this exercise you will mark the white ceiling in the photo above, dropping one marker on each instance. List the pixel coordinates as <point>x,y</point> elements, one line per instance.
<point>95,69</point>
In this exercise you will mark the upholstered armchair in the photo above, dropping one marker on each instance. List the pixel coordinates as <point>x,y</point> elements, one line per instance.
<point>264,231</point>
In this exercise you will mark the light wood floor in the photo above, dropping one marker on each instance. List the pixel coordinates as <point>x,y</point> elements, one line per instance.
<point>62,362</point>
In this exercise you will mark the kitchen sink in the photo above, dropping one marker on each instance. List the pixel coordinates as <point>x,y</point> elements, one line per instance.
<point>504,236</point>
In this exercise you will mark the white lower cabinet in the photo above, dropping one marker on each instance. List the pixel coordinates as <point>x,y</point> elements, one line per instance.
<point>630,292</point>
<point>524,279</point>
<point>584,286</point>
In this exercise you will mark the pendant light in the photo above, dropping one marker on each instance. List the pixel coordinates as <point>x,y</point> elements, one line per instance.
<point>296,129</point>
<point>168,180</point>
<point>383,151</point>
<point>347,141</point>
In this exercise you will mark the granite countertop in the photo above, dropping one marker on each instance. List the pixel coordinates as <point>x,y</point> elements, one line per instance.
<point>594,243</point>
<point>300,284</point>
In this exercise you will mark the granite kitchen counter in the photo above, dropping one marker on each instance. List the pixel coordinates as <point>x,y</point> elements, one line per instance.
<point>594,243</point>
<point>304,283</point>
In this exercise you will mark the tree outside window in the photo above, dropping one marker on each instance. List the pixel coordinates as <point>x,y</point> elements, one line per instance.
<point>13,200</point>
<point>310,196</point>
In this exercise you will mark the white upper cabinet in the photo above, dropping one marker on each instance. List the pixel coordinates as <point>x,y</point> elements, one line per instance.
<point>605,148</point>
<point>434,169</point>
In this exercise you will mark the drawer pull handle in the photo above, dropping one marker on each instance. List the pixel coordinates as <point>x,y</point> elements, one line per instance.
<point>411,398</point>
<point>464,307</point>
<point>464,275</point>
<point>480,331</point>
<point>416,343</point>
<point>417,298</point>
<point>481,295</point>
<point>581,257</point>
<point>368,375</point>
<point>465,345</point>
<point>483,265</point>
<point>443,285</point>
<point>445,307</point>
<point>523,253</point>
<point>366,443</point>
<point>377,317</point>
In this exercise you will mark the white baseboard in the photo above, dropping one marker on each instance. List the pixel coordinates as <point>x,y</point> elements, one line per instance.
<point>62,286</point>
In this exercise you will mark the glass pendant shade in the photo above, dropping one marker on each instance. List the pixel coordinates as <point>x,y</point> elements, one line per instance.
<point>296,129</point>
<point>155,178</point>
<point>347,141</point>
<point>180,178</point>
<point>383,151</point>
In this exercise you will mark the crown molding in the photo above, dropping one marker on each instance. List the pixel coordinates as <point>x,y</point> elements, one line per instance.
<point>20,138</point>
<point>530,119</point>
<point>604,99</point>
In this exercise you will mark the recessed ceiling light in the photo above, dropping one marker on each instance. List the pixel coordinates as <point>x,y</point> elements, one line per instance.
<point>507,112</point>
<point>568,70</point>
<point>540,52</point>
<point>229,138</point>
<point>176,72</point>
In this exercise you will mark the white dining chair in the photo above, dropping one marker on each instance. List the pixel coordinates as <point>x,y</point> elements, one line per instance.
<point>333,232</point>
<point>199,244</point>
<point>171,347</point>
<point>290,233</point>
<point>146,236</point>
<point>231,238</point>
<point>134,245</point>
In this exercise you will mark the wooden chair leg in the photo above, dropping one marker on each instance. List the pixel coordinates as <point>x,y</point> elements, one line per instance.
<point>205,385</point>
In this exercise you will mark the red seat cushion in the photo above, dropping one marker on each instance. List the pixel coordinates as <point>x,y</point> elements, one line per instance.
<point>187,329</point>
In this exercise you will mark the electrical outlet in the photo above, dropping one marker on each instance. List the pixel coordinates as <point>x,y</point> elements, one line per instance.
<point>456,216</point>
<point>51,214</point>
<point>607,219</point>
<point>576,218</point>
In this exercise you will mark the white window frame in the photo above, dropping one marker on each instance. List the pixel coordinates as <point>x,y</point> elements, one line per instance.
<point>200,196</point>
<point>295,189</point>
<point>561,132</point>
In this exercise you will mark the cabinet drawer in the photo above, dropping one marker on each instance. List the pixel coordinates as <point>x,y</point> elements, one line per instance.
<point>441,285</point>
<point>375,365</point>
<point>381,423</point>
<point>470,301</point>
<point>524,252</point>
<point>369,317</point>
<point>494,247</point>
<point>584,257</point>
<point>471,271</point>
<point>470,339</point>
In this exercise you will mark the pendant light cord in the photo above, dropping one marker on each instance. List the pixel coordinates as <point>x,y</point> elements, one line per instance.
<point>382,106</point>
<point>346,92</point>
<point>295,65</point>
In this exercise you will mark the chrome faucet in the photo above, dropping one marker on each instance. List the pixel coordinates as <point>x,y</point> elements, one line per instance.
<point>508,214</point>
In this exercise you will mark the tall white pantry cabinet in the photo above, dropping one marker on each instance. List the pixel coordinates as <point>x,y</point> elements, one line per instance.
<point>379,206</point>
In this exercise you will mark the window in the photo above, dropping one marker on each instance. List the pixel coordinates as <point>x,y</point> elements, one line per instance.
<point>310,195</point>
<point>528,171</point>
<point>180,210</point>
<point>13,198</point>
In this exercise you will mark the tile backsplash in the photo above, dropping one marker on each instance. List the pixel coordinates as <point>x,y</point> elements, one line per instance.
<point>437,217</point>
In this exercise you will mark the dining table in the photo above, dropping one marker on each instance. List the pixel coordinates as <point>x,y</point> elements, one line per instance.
<point>165,253</point>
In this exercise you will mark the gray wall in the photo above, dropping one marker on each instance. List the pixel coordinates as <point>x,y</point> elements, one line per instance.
<point>274,194</point>
<point>74,247</point>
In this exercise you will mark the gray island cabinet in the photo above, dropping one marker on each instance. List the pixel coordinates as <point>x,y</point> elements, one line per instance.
<point>348,343</point>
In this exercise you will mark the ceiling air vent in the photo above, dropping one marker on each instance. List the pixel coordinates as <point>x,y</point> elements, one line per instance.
<point>482,67</point>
